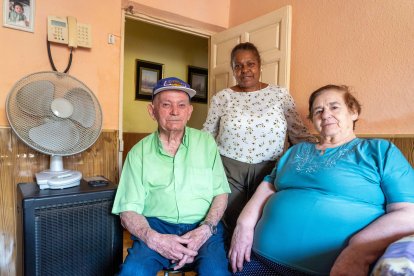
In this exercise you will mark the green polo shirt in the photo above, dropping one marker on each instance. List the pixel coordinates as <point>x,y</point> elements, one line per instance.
<point>177,189</point>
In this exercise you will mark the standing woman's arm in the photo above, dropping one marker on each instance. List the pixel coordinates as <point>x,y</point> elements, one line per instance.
<point>296,130</point>
<point>215,111</point>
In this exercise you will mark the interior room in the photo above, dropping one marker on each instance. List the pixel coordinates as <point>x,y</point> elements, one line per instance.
<point>366,45</point>
<point>147,41</point>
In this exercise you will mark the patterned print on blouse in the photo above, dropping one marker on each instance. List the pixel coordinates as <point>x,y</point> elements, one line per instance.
<point>251,126</point>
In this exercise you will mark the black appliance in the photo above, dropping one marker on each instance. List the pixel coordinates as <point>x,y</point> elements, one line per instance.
<point>68,232</point>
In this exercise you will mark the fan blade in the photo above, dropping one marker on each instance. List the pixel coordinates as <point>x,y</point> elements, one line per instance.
<point>83,106</point>
<point>35,98</point>
<point>55,135</point>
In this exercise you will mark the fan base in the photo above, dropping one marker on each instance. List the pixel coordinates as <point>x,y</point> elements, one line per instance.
<point>58,180</point>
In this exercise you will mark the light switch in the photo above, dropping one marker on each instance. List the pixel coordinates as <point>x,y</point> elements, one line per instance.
<point>111,39</point>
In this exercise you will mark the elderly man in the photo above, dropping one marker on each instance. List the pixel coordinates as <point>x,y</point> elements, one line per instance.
<point>173,192</point>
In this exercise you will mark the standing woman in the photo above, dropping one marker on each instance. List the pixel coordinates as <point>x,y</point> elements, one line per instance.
<point>249,122</point>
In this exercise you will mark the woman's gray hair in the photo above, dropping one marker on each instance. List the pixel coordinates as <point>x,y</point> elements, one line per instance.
<point>350,101</point>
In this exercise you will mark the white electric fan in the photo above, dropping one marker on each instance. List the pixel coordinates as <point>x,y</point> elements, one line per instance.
<point>55,114</point>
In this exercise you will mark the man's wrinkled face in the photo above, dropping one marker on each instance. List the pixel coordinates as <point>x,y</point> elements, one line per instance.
<point>171,109</point>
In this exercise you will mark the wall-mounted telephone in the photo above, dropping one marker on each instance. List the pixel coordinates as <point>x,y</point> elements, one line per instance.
<point>66,30</point>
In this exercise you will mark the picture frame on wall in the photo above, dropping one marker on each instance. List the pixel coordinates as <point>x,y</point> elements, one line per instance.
<point>19,14</point>
<point>198,80</point>
<point>148,73</point>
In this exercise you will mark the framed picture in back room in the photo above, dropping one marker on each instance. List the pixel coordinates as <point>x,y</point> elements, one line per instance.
<point>147,75</point>
<point>198,80</point>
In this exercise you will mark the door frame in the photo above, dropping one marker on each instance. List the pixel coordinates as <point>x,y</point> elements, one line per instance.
<point>193,27</point>
<point>159,21</point>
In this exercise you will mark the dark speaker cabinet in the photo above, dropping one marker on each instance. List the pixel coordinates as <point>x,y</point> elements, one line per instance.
<point>67,232</point>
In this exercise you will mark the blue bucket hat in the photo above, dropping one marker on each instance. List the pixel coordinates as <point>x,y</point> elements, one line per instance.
<point>173,83</point>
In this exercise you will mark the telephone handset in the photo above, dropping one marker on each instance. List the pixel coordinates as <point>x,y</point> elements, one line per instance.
<point>66,30</point>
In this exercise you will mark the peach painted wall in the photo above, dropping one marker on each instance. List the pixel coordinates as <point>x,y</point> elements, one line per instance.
<point>215,12</point>
<point>23,53</point>
<point>365,44</point>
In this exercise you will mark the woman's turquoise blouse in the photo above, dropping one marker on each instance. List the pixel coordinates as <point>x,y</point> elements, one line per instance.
<point>322,200</point>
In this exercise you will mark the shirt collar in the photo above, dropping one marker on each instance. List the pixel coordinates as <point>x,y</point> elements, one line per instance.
<point>185,138</point>
<point>184,141</point>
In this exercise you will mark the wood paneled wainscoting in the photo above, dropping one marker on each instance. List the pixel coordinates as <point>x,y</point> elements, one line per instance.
<point>130,139</point>
<point>404,142</point>
<point>19,163</point>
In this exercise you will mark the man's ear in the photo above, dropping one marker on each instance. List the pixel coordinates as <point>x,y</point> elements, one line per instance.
<point>150,109</point>
<point>190,112</point>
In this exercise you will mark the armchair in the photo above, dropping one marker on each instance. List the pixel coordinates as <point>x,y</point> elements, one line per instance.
<point>398,259</point>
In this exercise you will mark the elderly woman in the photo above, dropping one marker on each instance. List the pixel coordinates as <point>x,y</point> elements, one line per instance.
<point>327,208</point>
<point>250,122</point>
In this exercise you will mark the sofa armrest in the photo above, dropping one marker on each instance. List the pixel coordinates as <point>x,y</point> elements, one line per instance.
<point>398,259</point>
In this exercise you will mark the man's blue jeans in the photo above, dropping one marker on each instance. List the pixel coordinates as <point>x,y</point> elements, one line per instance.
<point>211,258</point>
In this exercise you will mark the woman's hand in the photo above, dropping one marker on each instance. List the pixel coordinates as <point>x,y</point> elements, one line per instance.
<point>369,244</point>
<point>350,263</point>
<point>241,247</point>
<point>242,241</point>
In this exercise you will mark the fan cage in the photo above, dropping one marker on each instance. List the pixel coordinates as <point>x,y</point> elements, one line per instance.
<point>28,106</point>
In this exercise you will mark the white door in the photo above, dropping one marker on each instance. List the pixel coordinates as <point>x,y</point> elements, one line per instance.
<point>271,35</point>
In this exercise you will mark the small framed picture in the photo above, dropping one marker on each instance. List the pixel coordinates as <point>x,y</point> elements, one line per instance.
<point>198,80</point>
<point>148,73</point>
<point>19,14</point>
